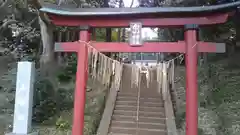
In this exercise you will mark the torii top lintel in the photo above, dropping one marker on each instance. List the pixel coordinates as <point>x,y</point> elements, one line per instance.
<point>156,16</point>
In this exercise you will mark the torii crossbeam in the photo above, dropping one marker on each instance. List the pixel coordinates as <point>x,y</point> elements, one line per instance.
<point>188,17</point>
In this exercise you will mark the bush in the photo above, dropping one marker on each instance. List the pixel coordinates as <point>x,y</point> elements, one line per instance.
<point>47,100</point>
<point>63,77</point>
<point>62,124</point>
<point>44,101</point>
<point>65,99</point>
<point>71,68</point>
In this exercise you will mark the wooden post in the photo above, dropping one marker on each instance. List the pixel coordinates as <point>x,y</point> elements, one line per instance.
<point>81,82</point>
<point>191,80</point>
<point>164,81</point>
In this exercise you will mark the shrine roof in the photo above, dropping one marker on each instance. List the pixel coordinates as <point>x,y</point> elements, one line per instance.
<point>64,11</point>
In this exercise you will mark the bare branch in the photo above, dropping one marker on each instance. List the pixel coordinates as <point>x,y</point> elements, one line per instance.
<point>7,23</point>
<point>132,4</point>
<point>6,3</point>
<point>38,5</point>
<point>32,21</point>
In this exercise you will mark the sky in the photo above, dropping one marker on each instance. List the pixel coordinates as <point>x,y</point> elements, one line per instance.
<point>127,3</point>
<point>145,31</point>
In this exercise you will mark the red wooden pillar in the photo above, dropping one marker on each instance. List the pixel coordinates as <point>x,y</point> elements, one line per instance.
<point>81,81</point>
<point>191,80</point>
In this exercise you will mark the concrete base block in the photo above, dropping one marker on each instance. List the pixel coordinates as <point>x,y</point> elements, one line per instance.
<point>33,133</point>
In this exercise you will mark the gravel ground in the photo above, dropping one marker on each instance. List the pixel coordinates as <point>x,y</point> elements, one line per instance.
<point>6,97</point>
<point>221,116</point>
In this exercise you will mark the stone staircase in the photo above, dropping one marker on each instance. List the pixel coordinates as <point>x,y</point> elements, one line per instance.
<point>139,110</point>
<point>127,120</point>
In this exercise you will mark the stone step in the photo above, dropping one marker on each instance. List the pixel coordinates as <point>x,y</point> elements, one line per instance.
<point>143,94</point>
<point>141,99</point>
<point>134,124</point>
<point>141,108</point>
<point>155,120</point>
<point>134,103</point>
<point>141,113</point>
<point>138,131</point>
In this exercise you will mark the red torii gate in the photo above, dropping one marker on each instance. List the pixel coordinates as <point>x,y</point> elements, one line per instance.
<point>188,17</point>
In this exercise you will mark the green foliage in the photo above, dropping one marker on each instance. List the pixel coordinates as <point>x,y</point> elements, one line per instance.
<point>62,124</point>
<point>63,77</point>
<point>65,98</point>
<point>71,67</point>
<point>100,34</point>
<point>180,118</point>
<point>10,77</point>
<point>69,71</point>
<point>223,93</point>
<point>44,101</point>
<point>200,131</point>
<point>226,27</point>
<point>226,86</point>
<point>114,35</point>
<point>93,111</point>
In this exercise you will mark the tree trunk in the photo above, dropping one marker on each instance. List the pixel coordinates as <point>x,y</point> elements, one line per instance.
<point>47,56</point>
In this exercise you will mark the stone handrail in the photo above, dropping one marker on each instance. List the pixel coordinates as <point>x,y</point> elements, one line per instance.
<point>166,73</point>
<point>110,103</point>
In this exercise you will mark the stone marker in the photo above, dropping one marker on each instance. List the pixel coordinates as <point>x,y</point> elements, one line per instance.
<point>24,99</point>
